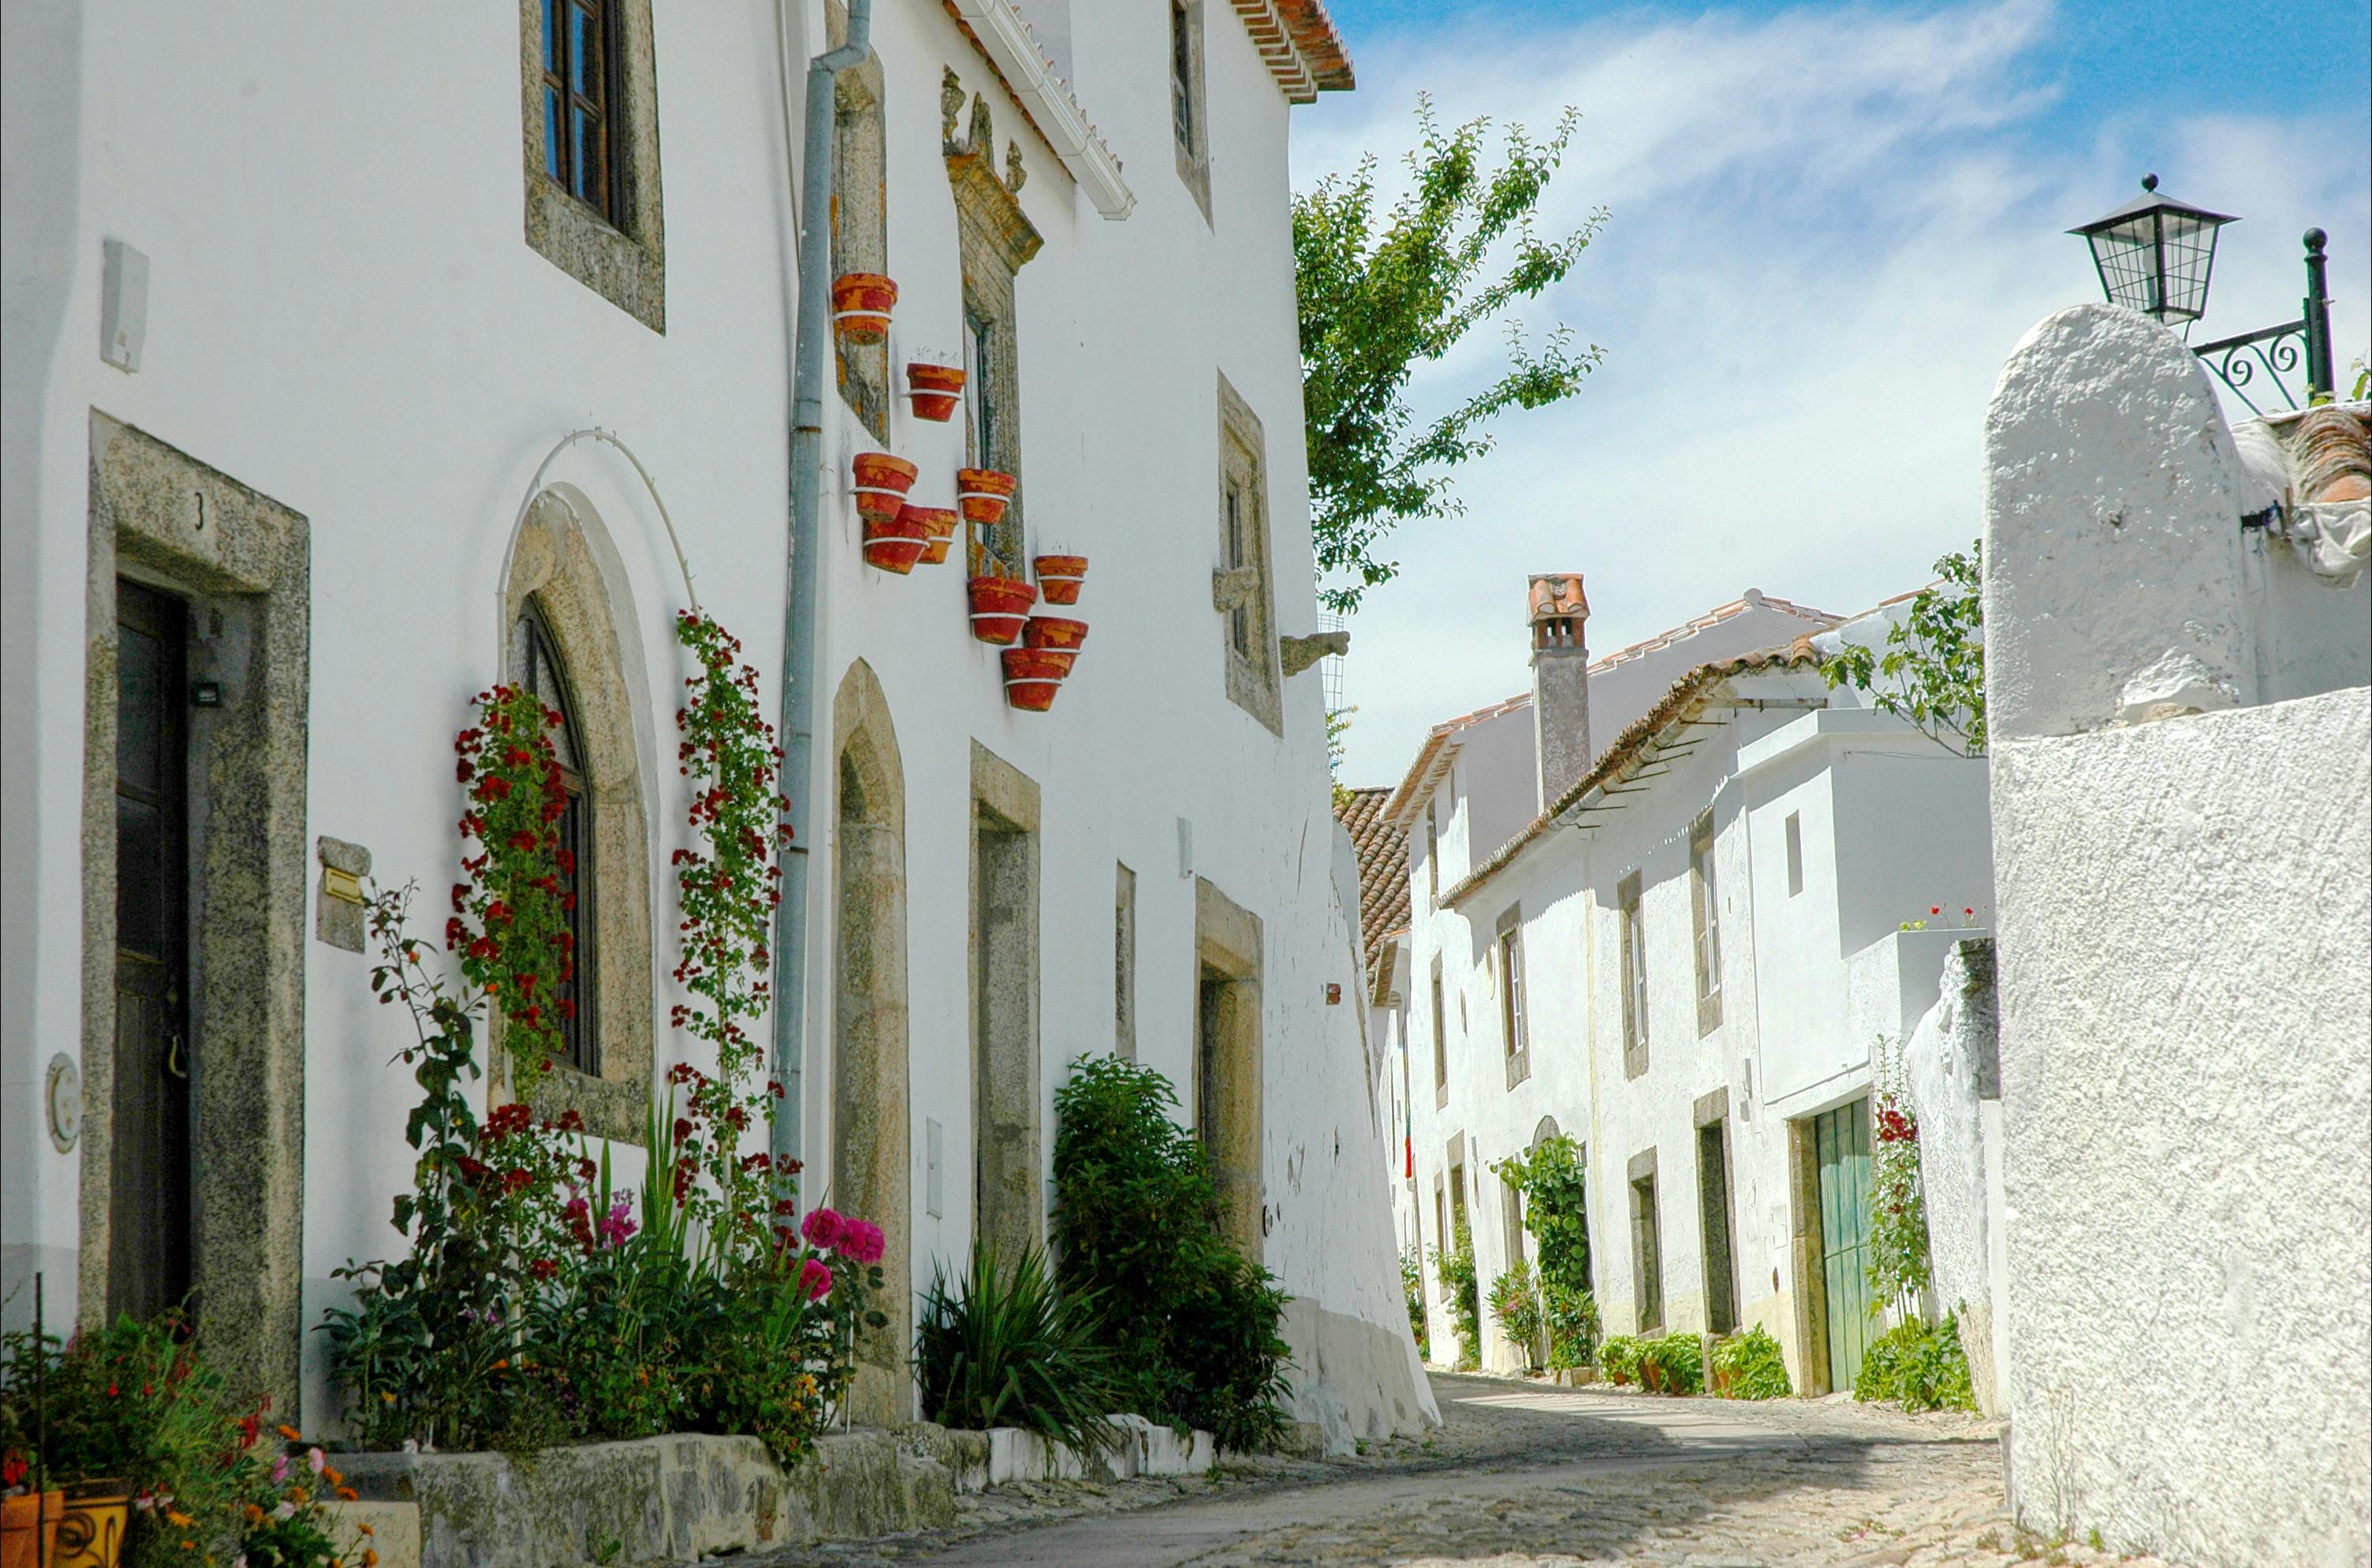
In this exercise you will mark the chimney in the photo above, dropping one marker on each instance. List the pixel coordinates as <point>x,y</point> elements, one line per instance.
<point>1560,683</point>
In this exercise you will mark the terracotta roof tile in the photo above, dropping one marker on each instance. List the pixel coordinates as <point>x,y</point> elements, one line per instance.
<point>1383,867</point>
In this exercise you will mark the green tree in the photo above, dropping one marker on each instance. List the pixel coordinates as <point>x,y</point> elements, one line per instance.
<point>1933,671</point>
<point>1381,294</point>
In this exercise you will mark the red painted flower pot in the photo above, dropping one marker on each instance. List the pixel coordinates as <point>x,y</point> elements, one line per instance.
<point>882,481</point>
<point>29,1528</point>
<point>939,530</point>
<point>935,389</point>
<point>1059,577</point>
<point>860,302</point>
<point>1054,632</point>
<point>999,605</point>
<point>894,544</point>
<point>984,493</point>
<point>1031,678</point>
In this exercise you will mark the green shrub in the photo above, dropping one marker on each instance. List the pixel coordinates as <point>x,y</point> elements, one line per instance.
<point>1190,1322</point>
<point>1454,1269</point>
<point>1619,1357</point>
<point>1412,1288</point>
<point>1919,1363</point>
<point>1570,1318</point>
<point>1515,1305</point>
<point>1005,1348</point>
<point>1750,1367</point>
<point>1681,1358</point>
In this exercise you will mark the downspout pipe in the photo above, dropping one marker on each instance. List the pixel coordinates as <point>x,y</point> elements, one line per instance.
<point>812,337</point>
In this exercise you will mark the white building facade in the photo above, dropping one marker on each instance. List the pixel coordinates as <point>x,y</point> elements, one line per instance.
<point>1685,960</point>
<point>323,383</point>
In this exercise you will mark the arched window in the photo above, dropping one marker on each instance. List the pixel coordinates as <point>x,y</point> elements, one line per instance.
<point>536,659</point>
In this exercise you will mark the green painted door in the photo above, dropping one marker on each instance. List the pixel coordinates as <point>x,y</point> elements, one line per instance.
<point>1841,1138</point>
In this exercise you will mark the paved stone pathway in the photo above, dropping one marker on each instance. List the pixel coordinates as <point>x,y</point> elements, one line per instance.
<point>1523,1476</point>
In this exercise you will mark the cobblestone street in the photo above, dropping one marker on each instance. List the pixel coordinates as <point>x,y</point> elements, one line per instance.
<point>1528,1477</point>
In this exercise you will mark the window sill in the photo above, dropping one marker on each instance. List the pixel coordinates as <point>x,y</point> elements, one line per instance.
<point>581,242</point>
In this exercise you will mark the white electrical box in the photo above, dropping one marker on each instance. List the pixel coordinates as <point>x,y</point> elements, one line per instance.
<point>123,306</point>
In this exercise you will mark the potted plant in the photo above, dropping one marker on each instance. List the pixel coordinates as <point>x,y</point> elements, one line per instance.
<point>894,544</point>
<point>934,388</point>
<point>26,1509</point>
<point>999,605</point>
<point>1032,677</point>
<point>983,495</point>
<point>1059,577</point>
<point>882,481</point>
<point>860,302</point>
<point>939,530</point>
<point>1054,632</point>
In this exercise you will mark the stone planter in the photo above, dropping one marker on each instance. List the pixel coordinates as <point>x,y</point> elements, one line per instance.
<point>938,531</point>
<point>894,544</point>
<point>1059,577</point>
<point>933,390</point>
<point>860,302</point>
<point>983,494</point>
<point>1032,677</point>
<point>660,1500</point>
<point>999,605</point>
<point>882,481</point>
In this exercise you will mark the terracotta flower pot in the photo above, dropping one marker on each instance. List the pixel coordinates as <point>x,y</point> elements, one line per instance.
<point>860,302</point>
<point>20,1519</point>
<point>1054,632</point>
<point>1032,677</point>
<point>1059,577</point>
<point>999,605</point>
<point>894,544</point>
<point>882,481</point>
<point>934,388</point>
<point>1651,1378</point>
<point>939,530</point>
<point>984,493</point>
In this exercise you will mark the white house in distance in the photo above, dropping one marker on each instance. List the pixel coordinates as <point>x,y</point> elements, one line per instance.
<point>1684,958</point>
<point>313,431</point>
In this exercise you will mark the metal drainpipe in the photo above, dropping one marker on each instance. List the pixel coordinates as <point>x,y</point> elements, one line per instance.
<point>813,332</point>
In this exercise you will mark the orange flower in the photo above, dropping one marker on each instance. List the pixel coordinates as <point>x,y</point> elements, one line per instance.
<point>177,1519</point>
<point>350,1494</point>
<point>503,1364</point>
<point>370,1558</point>
<point>330,1473</point>
<point>365,1528</point>
<point>290,1433</point>
<point>254,1514</point>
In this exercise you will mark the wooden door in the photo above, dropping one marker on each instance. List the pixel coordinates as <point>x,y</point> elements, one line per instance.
<point>1713,1229</point>
<point>1841,1144</point>
<point>148,1261</point>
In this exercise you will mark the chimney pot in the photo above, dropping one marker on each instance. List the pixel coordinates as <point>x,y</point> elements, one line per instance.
<point>1558,610</point>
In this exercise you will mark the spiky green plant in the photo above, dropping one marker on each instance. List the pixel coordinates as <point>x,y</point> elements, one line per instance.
<point>1005,1348</point>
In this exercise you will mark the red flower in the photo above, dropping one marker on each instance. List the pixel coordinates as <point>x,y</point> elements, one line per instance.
<point>567,859</point>
<point>543,1268</point>
<point>453,932</point>
<point>523,841</point>
<point>814,1279</point>
<point>526,983</point>
<point>484,947</point>
<point>1935,909</point>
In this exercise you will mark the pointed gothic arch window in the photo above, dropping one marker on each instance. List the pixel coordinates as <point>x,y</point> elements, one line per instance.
<point>535,656</point>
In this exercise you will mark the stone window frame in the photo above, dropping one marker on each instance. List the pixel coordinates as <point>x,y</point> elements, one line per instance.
<point>1629,914</point>
<point>996,240</point>
<point>1229,1094</point>
<point>1440,1040</point>
<point>1793,834</point>
<point>1704,918</point>
<point>1515,1002</point>
<point>622,259</point>
<point>1125,963</point>
<point>860,216</point>
<point>1647,1243</point>
<point>1189,140</point>
<point>1244,583</point>
<point>1005,804</point>
<point>243,560</point>
<point>554,561</point>
<point>1432,855</point>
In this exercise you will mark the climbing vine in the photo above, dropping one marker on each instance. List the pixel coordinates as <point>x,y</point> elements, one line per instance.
<point>510,911</point>
<point>728,886</point>
<point>1555,1193</point>
<point>1898,1235</point>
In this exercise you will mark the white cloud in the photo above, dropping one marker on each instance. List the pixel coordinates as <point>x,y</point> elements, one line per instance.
<point>1829,229</point>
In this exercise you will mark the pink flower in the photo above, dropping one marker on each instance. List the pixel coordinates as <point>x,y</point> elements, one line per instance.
<point>617,1226</point>
<point>814,1278</point>
<point>822,1228</point>
<point>279,1469</point>
<point>861,1241</point>
<point>313,1460</point>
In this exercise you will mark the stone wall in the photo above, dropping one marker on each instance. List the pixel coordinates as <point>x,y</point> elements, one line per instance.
<point>1953,1065</point>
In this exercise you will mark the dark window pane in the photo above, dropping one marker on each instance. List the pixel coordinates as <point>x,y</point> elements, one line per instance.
<point>551,36</point>
<point>554,148</point>
<point>139,876</point>
<point>140,660</point>
<point>584,53</point>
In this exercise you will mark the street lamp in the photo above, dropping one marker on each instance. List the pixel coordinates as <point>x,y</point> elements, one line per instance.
<point>2154,254</point>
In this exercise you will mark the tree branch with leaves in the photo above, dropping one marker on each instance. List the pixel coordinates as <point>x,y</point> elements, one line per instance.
<point>1933,671</point>
<point>1382,294</point>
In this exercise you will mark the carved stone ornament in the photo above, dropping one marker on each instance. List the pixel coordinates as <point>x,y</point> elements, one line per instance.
<point>1297,653</point>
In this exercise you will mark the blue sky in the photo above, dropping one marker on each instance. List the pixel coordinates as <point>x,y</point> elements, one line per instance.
<point>1830,224</point>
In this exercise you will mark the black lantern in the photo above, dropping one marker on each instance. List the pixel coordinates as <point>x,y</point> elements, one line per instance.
<point>2155,253</point>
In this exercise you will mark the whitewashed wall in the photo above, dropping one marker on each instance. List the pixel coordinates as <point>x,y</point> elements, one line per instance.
<point>345,316</point>
<point>2184,924</point>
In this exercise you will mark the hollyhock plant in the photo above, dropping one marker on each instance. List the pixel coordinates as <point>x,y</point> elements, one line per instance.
<point>822,1229</point>
<point>814,1279</point>
<point>861,1241</point>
